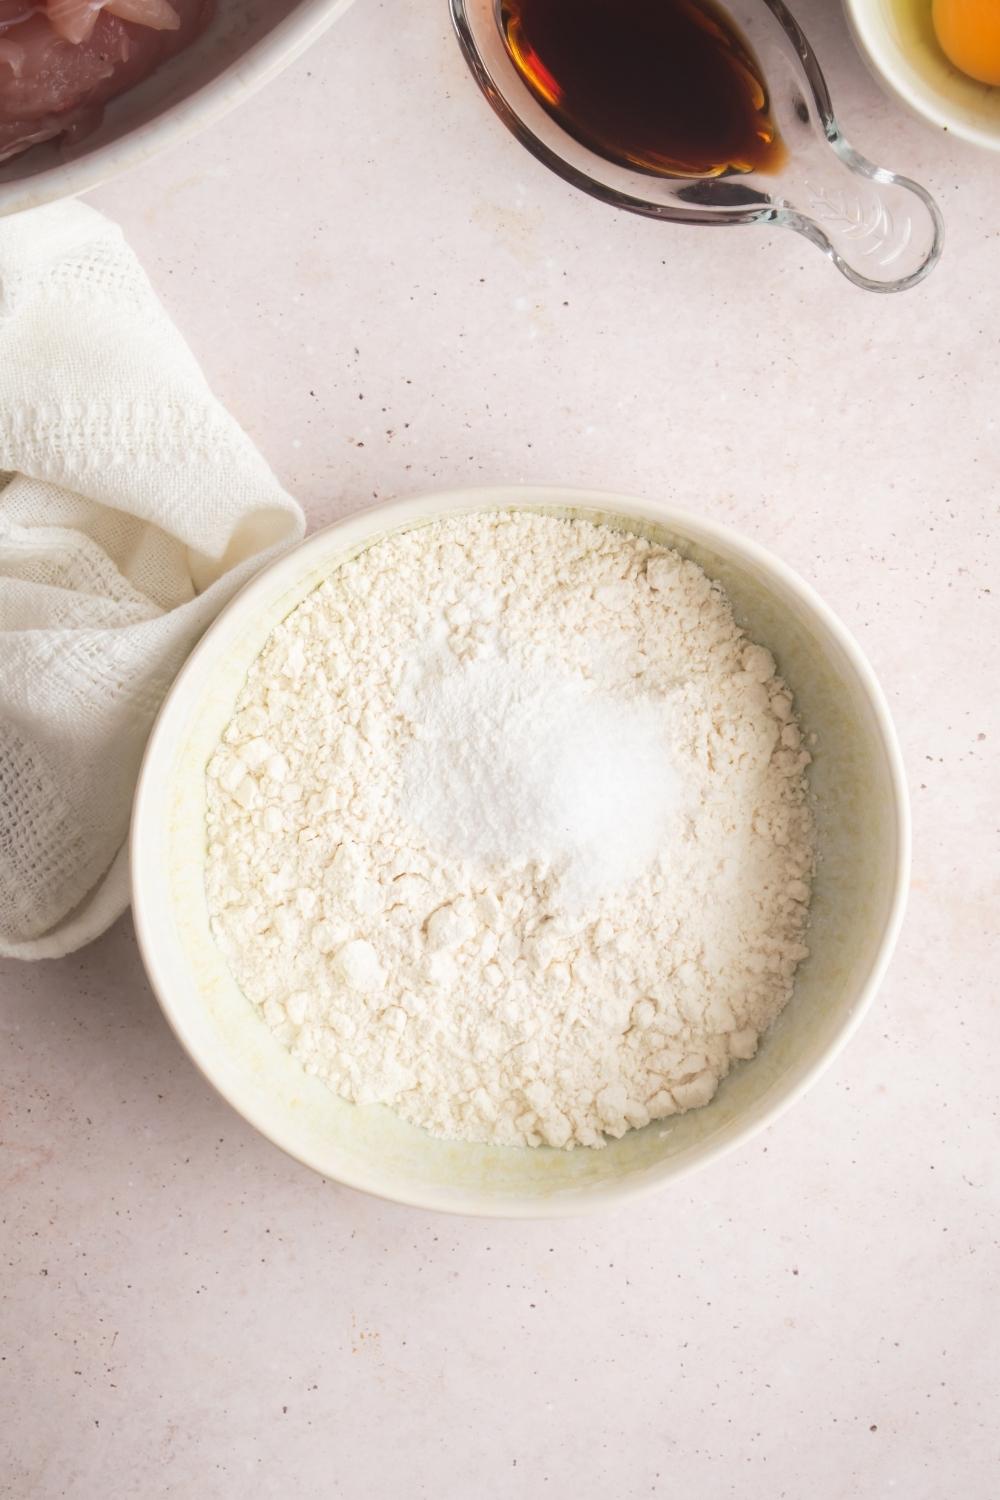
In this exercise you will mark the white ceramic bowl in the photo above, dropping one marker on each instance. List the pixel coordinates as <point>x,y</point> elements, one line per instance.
<point>247,43</point>
<point>863,824</point>
<point>909,63</point>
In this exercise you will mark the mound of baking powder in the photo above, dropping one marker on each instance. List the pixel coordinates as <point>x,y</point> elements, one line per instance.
<point>510,832</point>
<point>515,764</point>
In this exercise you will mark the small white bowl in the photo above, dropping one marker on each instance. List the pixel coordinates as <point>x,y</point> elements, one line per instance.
<point>909,63</point>
<point>863,828</point>
<point>246,44</point>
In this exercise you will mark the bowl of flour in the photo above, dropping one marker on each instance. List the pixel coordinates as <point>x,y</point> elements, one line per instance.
<point>516,851</point>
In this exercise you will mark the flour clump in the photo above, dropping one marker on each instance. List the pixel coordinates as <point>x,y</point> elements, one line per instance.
<point>510,832</point>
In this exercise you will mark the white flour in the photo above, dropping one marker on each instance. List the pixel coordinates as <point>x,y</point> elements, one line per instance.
<point>510,832</point>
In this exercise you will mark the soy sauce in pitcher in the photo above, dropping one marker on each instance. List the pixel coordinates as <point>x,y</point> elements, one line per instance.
<point>668,87</point>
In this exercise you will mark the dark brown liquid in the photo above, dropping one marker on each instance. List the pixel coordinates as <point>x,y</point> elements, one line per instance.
<point>669,87</point>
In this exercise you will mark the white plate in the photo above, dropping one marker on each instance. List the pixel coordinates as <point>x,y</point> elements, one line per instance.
<point>247,43</point>
<point>863,826</point>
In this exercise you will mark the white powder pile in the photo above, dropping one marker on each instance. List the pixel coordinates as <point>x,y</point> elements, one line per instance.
<point>514,765</point>
<point>510,832</point>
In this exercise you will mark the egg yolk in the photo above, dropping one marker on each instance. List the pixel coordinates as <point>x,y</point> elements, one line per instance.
<point>969,34</point>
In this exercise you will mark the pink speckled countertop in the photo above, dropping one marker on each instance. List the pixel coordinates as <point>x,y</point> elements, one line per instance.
<point>391,296</point>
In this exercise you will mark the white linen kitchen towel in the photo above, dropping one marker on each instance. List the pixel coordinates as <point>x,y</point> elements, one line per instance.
<point>132,507</point>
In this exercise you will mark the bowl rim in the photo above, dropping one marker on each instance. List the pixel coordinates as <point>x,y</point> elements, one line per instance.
<point>422,507</point>
<point>886,65</point>
<point>247,73</point>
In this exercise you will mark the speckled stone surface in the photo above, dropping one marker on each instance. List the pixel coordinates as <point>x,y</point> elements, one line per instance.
<point>392,296</point>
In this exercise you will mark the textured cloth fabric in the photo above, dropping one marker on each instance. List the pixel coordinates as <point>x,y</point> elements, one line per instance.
<point>132,507</point>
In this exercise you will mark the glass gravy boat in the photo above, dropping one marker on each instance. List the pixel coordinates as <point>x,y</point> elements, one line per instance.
<point>882,231</point>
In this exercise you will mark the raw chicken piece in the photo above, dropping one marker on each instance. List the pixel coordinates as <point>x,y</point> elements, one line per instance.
<point>60,61</point>
<point>159,14</point>
<point>73,20</point>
